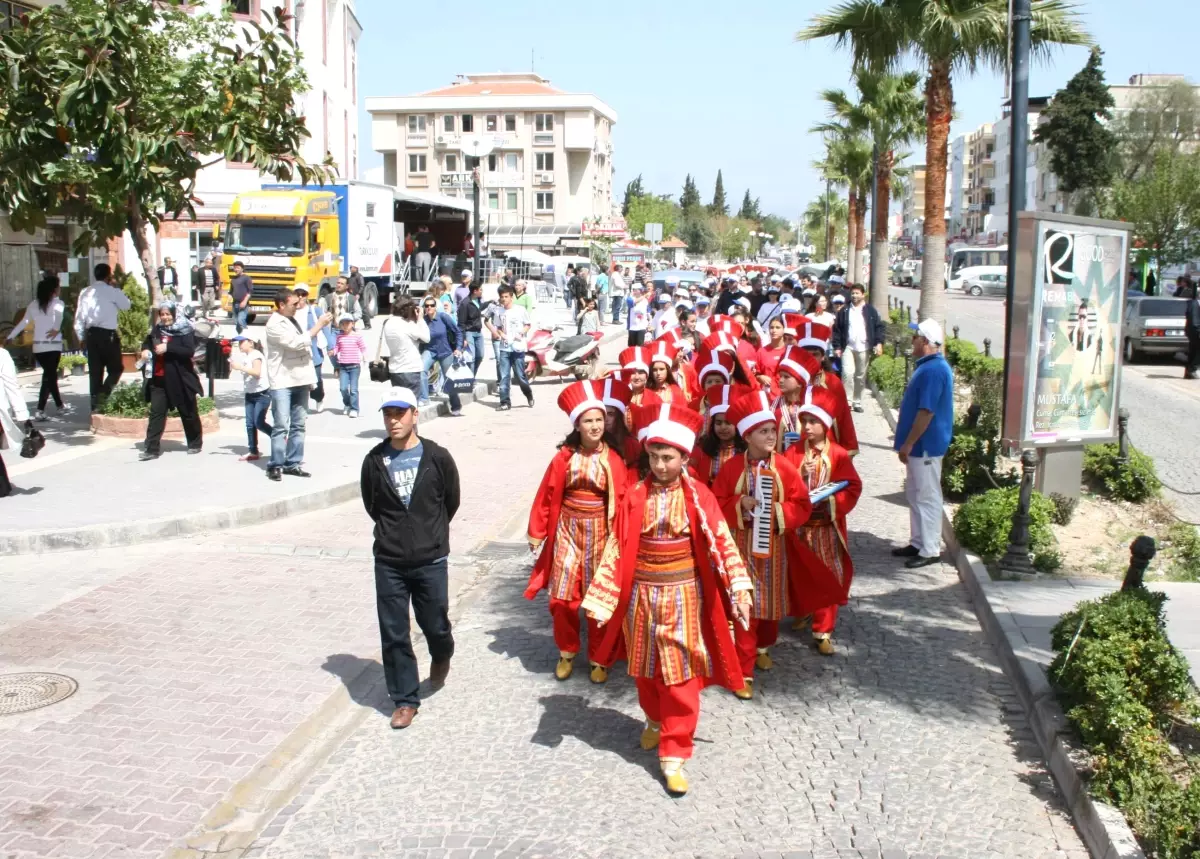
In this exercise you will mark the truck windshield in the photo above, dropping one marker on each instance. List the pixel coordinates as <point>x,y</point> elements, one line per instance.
<point>265,237</point>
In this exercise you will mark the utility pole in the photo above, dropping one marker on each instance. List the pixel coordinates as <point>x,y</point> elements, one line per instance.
<point>1018,153</point>
<point>828,230</point>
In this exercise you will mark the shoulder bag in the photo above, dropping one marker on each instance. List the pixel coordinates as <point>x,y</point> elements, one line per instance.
<point>378,369</point>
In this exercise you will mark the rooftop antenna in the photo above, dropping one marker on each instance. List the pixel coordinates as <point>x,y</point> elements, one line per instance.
<point>531,61</point>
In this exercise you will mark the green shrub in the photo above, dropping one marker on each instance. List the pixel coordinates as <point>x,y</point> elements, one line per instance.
<point>887,374</point>
<point>969,466</point>
<point>983,522</point>
<point>894,316</point>
<point>127,401</point>
<point>1136,481</point>
<point>1122,685</point>
<point>133,324</point>
<point>1183,542</point>
<point>74,360</point>
<point>1064,508</point>
<point>954,350</point>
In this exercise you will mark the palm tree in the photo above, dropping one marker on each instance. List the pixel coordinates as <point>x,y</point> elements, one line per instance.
<point>945,36</point>
<point>814,220</point>
<point>848,163</point>
<point>892,113</point>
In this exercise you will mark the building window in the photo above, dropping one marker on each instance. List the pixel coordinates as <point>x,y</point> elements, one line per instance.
<point>10,12</point>
<point>324,31</point>
<point>490,122</point>
<point>512,162</point>
<point>468,123</point>
<point>242,8</point>
<point>416,165</point>
<point>510,200</point>
<point>448,122</point>
<point>451,163</point>
<point>543,122</point>
<point>494,200</point>
<point>510,122</point>
<point>416,124</point>
<point>544,160</point>
<point>470,162</point>
<point>544,201</point>
<point>492,163</point>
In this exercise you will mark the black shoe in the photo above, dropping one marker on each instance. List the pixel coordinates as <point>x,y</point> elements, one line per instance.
<point>921,561</point>
<point>906,552</point>
<point>275,474</point>
<point>529,400</point>
<point>148,455</point>
<point>296,471</point>
<point>194,450</point>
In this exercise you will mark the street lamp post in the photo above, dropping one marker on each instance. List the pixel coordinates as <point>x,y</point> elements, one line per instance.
<point>1018,152</point>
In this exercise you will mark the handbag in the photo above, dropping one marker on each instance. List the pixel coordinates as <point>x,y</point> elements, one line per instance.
<point>34,442</point>
<point>460,378</point>
<point>378,369</point>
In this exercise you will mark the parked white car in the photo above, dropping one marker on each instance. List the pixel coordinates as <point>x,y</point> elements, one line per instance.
<point>960,278</point>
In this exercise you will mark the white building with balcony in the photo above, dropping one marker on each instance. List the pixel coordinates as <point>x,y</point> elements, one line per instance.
<point>544,155</point>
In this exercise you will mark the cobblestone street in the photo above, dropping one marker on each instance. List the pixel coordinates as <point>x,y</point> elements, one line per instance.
<point>908,743</point>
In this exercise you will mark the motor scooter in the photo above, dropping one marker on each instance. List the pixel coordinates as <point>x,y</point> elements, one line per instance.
<point>559,353</point>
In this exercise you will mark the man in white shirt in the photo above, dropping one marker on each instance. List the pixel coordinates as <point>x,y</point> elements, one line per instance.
<point>96,328</point>
<point>616,288</point>
<point>639,317</point>
<point>509,325</point>
<point>291,373</point>
<point>857,332</point>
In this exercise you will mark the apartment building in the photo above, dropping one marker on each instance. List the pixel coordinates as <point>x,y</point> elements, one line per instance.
<point>544,155</point>
<point>956,185</point>
<point>980,196</point>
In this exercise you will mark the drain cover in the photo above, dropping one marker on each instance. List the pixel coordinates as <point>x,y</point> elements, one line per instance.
<point>20,693</point>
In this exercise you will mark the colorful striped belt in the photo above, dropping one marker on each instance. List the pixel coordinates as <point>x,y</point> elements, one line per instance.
<point>665,562</point>
<point>583,504</point>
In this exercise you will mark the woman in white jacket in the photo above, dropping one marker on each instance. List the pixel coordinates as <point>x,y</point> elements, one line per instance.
<point>45,314</point>
<point>402,335</point>
<point>12,405</point>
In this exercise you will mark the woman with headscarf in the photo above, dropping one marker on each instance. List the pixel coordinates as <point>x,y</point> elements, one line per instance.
<point>170,379</point>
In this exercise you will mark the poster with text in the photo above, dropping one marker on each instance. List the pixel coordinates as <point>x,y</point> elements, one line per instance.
<point>1078,298</point>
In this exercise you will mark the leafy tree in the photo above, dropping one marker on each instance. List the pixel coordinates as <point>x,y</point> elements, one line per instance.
<point>697,232</point>
<point>733,236</point>
<point>813,221</point>
<point>1074,128</point>
<point>651,209</point>
<point>945,37</point>
<point>719,206</point>
<point>780,228</point>
<point>109,107</point>
<point>1163,204</point>
<point>633,190</point>
<point>689,200</point>
<point>848,162</point>
<point>750,208</point>
<point>1162,118</point>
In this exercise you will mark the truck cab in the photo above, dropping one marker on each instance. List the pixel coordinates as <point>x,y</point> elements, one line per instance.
<point>283,238</point>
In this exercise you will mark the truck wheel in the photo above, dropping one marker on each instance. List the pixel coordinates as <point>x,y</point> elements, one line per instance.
<point>370,301</point>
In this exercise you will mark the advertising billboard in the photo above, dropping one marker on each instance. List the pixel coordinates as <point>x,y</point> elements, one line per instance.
<point>1064,370</point>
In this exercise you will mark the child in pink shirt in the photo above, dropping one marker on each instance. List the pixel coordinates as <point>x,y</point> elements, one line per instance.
<point>348,352</point>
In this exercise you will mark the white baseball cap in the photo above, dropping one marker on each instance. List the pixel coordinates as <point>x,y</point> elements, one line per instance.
<point>929,329</point>
<point>399,398</point>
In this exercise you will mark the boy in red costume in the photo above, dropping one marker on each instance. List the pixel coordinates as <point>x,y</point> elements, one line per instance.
<point>827,569</point>
<point>737,491</point>
<point>659,588</point>
<point>571,517</point>
<point>796,370</point>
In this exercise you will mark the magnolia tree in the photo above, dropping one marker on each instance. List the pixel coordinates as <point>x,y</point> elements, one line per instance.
<point>112,107</point>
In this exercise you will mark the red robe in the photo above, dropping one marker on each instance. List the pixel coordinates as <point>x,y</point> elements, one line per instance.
<point>816,586</point>
<point>709,546</point>
<point>701,464</point>
<point>843,422</point>
<point>670,393</point>
<point>547,507</point>
<point>689,380</point>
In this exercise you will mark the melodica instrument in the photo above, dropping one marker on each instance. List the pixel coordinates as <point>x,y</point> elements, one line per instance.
<point>764,514</point>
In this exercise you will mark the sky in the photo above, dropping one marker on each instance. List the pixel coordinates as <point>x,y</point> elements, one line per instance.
<point>703,85</point>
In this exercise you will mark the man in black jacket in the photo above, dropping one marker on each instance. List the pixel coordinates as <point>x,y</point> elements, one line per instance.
<point>1191,327</point>
<point>411,492</point>
<point>470,322</point>
<point>858,332</point>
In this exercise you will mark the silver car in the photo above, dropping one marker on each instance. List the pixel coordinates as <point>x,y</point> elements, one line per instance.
<point>986,284</point>
<point>1154,325</point>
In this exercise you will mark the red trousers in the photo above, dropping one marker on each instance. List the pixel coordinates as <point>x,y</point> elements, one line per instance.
<point>824,620</point>
<point>676,709</point>
<point>762,633</point>
<point>565,615</point>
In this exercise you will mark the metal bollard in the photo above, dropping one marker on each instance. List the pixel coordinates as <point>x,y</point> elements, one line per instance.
<point>987,347</point>
<point>895,348</point>
<point>891,302</point>
<point>908,315</point>
<point>1123,436</point>
<point>907,365</point>
<point>955,332</point>
<point>1141,552</point>
<point>1016,559</point>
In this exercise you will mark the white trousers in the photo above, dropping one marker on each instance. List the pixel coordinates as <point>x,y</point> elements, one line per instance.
<point>854,373</point>
<point>923,490</point>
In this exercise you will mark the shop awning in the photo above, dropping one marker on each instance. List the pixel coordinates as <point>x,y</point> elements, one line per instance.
<point>532,235</point>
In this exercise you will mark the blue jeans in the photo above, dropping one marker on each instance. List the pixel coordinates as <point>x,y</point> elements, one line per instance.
<point>445,364</point>
<point>617,302</point>
<point>256,418</point>
<point>602,305</point>
<point>475,338</point>
<point>289,408</point>
<point>348,382</point>
<point>241,319</point>
<point>427,588</point>
<point>508,363</point>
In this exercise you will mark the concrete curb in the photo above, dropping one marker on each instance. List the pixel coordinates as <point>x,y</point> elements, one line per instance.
<point>1101,826</point>
<point>128,533</point>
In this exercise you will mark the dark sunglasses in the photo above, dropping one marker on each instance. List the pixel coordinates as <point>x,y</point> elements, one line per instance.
<point>430,306</point>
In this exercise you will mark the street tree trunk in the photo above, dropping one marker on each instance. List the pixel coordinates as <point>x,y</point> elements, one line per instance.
<point>939,105</point>
<point>860,236</point>
<point>851,223</point>
<point>879,253</point>
<point>137,231</point>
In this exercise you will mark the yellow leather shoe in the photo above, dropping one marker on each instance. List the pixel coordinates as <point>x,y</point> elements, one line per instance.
<point>672,770</point>
<point>763,661</point>
<point>599,674</point>
<point>566,664</point>
<point>650,736</point>
<point>825,646</point>
<point>747,691</point>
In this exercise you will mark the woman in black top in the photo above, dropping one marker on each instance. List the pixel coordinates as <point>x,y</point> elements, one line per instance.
<point>170,379</point>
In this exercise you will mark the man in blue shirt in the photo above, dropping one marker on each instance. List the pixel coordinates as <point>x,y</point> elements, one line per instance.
<point>923,432</point>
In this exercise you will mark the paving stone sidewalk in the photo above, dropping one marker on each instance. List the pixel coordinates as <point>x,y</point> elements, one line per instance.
<point>910,742</point>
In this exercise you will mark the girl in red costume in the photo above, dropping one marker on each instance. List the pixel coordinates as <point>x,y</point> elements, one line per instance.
<point>659,587</point>
<point>814,338</point>
<point>796,371</point>
<point>768,356</point>
<point>736,488</point>
<point>823,577</point>
<point>719,442</point>
<point>662,373</point>
<point>571,517</point>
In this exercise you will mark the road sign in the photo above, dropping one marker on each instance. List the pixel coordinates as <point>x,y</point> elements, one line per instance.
<point>652,233</point>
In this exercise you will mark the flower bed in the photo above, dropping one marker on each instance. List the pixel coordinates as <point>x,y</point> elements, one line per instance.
<point>126,414</point>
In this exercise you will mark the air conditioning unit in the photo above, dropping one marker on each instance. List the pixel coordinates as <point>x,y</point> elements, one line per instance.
<point>441,139</point>
<point>545,178</point>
